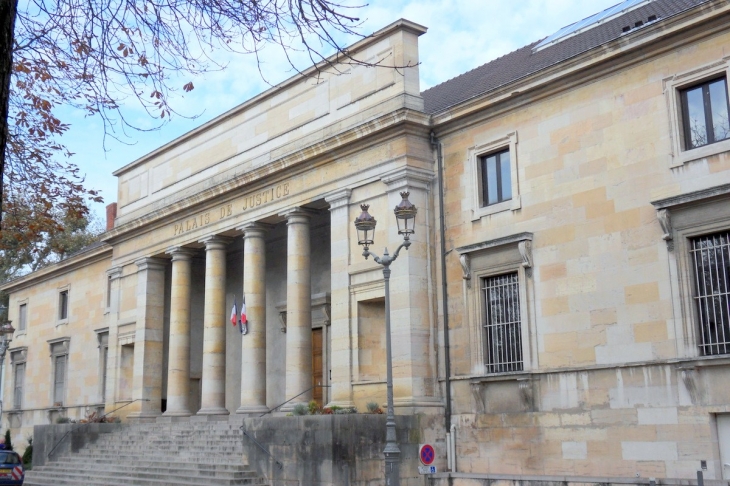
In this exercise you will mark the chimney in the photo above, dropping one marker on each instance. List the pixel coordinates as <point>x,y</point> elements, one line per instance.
<point>111,215</point>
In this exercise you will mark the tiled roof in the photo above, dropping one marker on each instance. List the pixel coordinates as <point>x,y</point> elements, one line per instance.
<point>524,61</point>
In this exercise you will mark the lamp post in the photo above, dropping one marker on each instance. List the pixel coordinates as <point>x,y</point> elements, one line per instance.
<point>6,331</point>
<point>405,216</point>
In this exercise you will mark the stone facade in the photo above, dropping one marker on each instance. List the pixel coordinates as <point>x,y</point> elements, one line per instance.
<point>605,375</point>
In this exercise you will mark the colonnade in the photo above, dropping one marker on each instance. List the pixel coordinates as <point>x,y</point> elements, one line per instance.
<point>147,374</point>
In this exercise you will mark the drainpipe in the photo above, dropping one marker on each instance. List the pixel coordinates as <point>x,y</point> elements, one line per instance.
<point>444,299</point>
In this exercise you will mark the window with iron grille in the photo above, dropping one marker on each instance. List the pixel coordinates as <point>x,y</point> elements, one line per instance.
<point>19,380</point>
<point>502,327</point>
<point>711,260</point>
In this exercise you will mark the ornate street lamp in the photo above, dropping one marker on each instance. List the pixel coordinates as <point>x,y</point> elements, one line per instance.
<point>405,216</point>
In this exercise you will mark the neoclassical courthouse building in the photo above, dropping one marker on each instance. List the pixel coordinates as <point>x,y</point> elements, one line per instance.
<point>572,236</point>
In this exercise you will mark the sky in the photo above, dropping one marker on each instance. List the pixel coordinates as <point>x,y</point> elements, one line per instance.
<point>462,35</point>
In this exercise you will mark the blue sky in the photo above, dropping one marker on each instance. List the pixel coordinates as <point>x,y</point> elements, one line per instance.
<point>462,35</point>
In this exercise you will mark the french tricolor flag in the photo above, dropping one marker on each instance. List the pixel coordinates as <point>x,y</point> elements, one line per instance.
<point>234,312</point>
<point>243,322</point>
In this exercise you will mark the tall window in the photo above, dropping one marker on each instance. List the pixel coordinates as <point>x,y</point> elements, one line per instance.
<point>63,305</point>
<point>711,260</point>
<point>22,317</point>
<point>503,333</point>
<point>706,113</point>
<point>19,380</point>
<point>496,178</point>
<point>59,379</point>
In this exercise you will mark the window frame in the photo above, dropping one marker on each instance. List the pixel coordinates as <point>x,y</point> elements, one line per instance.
<point>673,87</point>
<point>18,357</point>
<point>683,218</point>
<point>486,325</point>
<point>59,348</point>
<point>475,155</point>
<point>22,329</point>
<point>489,259</point>
<point>701,324</point>
<point>704,85</point>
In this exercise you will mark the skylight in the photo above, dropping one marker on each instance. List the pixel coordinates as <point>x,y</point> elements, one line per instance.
<point>590,22</point>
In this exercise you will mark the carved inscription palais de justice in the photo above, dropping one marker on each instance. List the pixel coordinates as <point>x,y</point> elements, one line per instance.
<point>227,210</point>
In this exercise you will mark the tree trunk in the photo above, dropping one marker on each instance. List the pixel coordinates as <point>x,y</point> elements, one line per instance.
<point>8,11</point>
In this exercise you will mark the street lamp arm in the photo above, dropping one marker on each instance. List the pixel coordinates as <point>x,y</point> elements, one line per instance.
<point>387,258</point>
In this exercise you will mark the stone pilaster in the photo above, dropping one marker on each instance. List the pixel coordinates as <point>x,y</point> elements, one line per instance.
<point>412,320</point>
<point>253,344</point>
<point>147,373</point>
<point>298,309</point>
<point>341,382</point>
<point>112,316</point>
<point>213,400</point>
<point>178,370</point>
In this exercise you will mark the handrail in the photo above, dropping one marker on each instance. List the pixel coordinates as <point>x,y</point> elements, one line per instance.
<point>278,463</point>
<point>292,398</point>
<point>88,423</point>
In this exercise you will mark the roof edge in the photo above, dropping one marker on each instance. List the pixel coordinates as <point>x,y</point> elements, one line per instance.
<point>362,44</point>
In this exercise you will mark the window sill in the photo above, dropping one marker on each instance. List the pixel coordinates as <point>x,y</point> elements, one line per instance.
<point>512,204</point>
<point>62,322</point>
<point>699,153</point>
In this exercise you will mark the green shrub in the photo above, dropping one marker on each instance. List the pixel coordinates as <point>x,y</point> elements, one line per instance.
<point>300,409</point>
<point>63,420</point>
<point>28,455</point>
<point>8,441</point>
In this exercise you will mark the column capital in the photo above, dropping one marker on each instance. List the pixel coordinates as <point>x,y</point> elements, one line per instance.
<point>406,177</point>
<point>296,215</point>
<point>114,272</point>
<point>150,263</point>
<point>180,253</point>
<point>254,230</point>
<point>215,242</point>
<point>338,198</point>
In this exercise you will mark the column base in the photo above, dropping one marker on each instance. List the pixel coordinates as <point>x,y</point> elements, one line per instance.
<point>252,409</point>
<point>341,404</point>
<point>213,411</point>
<point>289,407</point>
<point>177,413</point>
<point>143,416</point>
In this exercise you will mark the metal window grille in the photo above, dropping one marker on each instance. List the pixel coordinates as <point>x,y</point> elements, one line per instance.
<point>19,381</point>
<point>502,329</point>
<point>711,257</point>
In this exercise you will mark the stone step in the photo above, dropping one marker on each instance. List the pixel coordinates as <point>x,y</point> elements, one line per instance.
<point>189,468</point>
<point>142,473</point>
<point>100,480</point>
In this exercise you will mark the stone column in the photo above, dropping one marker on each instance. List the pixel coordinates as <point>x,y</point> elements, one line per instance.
<point>213,400</point>
<point>178,369</point>
<point>112,316</point>
<point>341,361</point>
<point>147,373</point>
<point>253,345</point>
<point>298,309</point>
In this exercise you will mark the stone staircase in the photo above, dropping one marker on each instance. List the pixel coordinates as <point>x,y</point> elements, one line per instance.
<point>159,454</point>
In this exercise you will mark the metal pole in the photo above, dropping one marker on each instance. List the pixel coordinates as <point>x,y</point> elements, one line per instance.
<point>391,451</point>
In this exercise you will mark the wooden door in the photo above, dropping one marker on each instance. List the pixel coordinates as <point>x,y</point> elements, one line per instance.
<point>317,376</point>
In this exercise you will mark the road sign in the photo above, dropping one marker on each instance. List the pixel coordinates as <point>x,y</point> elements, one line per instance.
<point>426,454</point>
<point>427,469</point>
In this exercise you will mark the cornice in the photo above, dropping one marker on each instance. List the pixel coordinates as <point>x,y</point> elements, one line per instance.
<point>700,22</point>
<point>381,128</point>
<point>63,267</point>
